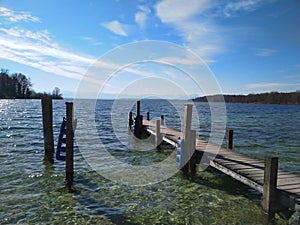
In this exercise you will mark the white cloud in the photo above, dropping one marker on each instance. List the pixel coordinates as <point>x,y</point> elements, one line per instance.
<point>36,49</point>
<point>245,5</point>
<point>141,16</point>
<point>115,27</point>
<point>198,33</point>
<point>264,52</point>
<point>13,16</point>
<point>172,11</point>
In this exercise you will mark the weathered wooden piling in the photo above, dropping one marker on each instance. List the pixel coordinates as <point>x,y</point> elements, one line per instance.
<point>229,138</point>
<point>187,119</point>
<point>162,120</point>
<point>130,120</point>
<point>138,125</point>
<point>269,195</point>
<point>69,145</point>
<point>48,128</point>
<point>158,138</point>
<point>138,108</point>
<point>188,139</point>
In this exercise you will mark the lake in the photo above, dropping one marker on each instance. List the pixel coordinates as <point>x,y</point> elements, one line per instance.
<point>33,191</point>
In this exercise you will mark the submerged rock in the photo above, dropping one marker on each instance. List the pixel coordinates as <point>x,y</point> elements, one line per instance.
<point>295,218</point>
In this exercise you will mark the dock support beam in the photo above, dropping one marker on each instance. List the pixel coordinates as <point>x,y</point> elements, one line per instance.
<point>158,134</point>
<point>48,128</point>
<point>193,161</point>
<point>270,185</point>
<point>229,139</point>
<point>69,145</point>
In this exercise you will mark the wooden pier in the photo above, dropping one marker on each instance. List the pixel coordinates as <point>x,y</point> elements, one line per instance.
<point>280,189</point>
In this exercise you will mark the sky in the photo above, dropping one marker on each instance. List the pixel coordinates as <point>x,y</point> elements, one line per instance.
<point>164,48</point>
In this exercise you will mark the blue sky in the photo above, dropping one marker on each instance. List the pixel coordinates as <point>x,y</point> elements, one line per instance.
<point>250,46</point>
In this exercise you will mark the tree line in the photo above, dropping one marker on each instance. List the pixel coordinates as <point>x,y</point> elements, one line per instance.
<point>262,98</point>
<point>17,85</point>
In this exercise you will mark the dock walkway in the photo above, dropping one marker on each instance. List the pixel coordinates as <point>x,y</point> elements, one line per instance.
<point>240,167</point>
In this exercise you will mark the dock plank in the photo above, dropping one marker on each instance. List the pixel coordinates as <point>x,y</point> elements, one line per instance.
<point>239,166</point>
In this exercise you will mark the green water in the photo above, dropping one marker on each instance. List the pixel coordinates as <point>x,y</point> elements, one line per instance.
<point>208,198</point>
<point>34,192</point>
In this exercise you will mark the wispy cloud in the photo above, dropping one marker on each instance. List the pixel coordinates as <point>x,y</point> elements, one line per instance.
<point>36,49</point>
<point>269,85</point>
<point>264,52</point>
<point>13,16</point>
<point>141,16</point>
<point>200,35</point>
<point>241,5</point>
<point>92,41</point>
<point>295,76</point>
<point>115,27</point>
<point>188,61</point>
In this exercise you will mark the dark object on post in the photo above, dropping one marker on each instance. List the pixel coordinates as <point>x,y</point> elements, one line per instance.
<point>48,128</point>
<point>69,145</point>
<point>269,196</point>
<point>229,138</point>
<point>148,116</point>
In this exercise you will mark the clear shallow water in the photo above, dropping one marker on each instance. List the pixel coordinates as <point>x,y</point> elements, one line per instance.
<point>33,191</point>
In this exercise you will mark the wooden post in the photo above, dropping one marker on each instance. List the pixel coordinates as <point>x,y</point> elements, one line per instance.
<point>148,116</point>
<point>138,108</point>
<point>187,119</point>
<point>158,135</point>
<point>229,138</point>
<point>270,185</point>
<point>48,128</point>
<point>69,145</point>
<point>130,120</point>
<point>138,126</point>
<point>162,120</point>
<point>187,148</point>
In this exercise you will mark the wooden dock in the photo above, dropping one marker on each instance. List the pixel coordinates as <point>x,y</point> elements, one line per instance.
<point>280,189</point>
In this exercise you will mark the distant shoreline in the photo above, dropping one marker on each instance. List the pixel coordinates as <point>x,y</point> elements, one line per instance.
<point>54,98</point>
<point>291,98</point>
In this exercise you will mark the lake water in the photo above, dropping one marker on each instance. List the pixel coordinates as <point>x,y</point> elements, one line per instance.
<point>33,191</point>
